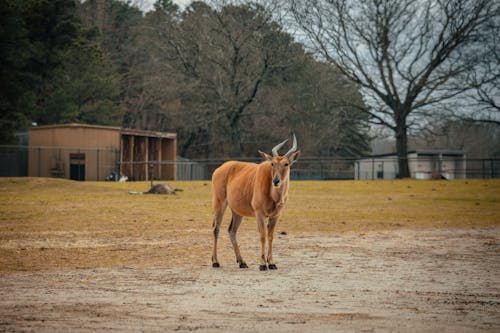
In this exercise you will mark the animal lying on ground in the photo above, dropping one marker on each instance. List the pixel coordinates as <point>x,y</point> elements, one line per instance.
<point>251,189</point>
<point>159,189</point>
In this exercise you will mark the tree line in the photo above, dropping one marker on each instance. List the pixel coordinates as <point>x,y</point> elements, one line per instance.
<point>226,79</point>
<point>230,77</point>
<point>53,67</point>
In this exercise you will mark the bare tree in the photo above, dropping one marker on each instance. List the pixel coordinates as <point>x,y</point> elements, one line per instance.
<point>476,139</point>
<point>484,99</point>
<point>406,55</point>
<point>228,54</point>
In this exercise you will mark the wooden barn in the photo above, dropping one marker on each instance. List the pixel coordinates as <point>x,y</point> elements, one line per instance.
<point>90,152</point>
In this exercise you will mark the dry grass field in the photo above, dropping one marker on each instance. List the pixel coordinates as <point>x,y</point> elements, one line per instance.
<point>371,256</point>
<point>56,224</point>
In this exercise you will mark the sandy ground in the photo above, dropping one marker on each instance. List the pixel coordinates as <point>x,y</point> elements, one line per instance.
<point>445,280</point>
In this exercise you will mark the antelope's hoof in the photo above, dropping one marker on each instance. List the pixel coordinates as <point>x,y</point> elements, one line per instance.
<point>263,268</point>
<point>215,265</point>
<point>273,266</point>
<point>243,265</point>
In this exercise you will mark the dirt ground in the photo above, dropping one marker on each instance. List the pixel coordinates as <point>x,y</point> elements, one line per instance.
<point>433,280</point>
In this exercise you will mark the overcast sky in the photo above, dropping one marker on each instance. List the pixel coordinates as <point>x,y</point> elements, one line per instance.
<point>148,4</point>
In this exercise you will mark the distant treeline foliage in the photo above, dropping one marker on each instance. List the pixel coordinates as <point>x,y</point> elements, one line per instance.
<point>227,80</point>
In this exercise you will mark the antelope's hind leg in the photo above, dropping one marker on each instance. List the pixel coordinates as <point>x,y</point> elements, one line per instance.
<point>219,208</point>
<point>233,229</point>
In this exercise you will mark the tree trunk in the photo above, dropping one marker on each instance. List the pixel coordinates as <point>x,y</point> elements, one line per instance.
<point>234,123</point>
<point>402,149</point>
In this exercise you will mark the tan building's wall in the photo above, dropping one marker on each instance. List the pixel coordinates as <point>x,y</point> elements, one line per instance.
<point>140,154</point>
<point>52,147</point>
<point>75,136</point>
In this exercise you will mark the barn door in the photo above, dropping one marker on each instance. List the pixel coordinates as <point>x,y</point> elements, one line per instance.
<point>77,166</point>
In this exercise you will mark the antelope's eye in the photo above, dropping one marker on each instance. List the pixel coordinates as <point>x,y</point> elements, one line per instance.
<point>286,164</point>
<point>272,164</point>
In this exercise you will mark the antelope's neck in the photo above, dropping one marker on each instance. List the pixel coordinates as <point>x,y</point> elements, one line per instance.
<point>278,194</point>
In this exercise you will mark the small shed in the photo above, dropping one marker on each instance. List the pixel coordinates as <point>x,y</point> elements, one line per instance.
<point>91,152</point>
<point>423,164</point>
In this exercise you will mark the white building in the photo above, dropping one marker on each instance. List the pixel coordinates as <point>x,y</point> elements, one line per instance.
<point>423,164</point>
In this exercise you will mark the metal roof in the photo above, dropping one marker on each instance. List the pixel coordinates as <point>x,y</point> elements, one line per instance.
<point>74,125</point>
<point>123,131</point>
<point>136,132</point>
<point>430,152</point>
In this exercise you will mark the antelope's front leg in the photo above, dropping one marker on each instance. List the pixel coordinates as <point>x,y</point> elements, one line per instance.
<point>262,231</point>
<point>270,235</point>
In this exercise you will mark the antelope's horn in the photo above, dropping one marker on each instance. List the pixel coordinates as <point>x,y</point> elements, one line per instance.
<point>278,147</point>
<point>294,147</point>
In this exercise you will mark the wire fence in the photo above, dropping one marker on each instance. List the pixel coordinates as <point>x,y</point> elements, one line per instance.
<point>58,162</point>
<point>106,164</point>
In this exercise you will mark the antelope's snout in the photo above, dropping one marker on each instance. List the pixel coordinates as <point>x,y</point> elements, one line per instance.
<point>276,182</point>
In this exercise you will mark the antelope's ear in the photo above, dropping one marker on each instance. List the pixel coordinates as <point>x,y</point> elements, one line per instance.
<point>265,156</point>
<point>294,157</point>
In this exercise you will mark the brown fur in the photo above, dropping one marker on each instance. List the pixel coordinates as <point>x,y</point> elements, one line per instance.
<point>248,190</point>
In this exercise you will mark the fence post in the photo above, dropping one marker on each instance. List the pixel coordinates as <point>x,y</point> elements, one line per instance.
<point>373,168</point>
<point>97,158</point>
<point>39,161</point>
